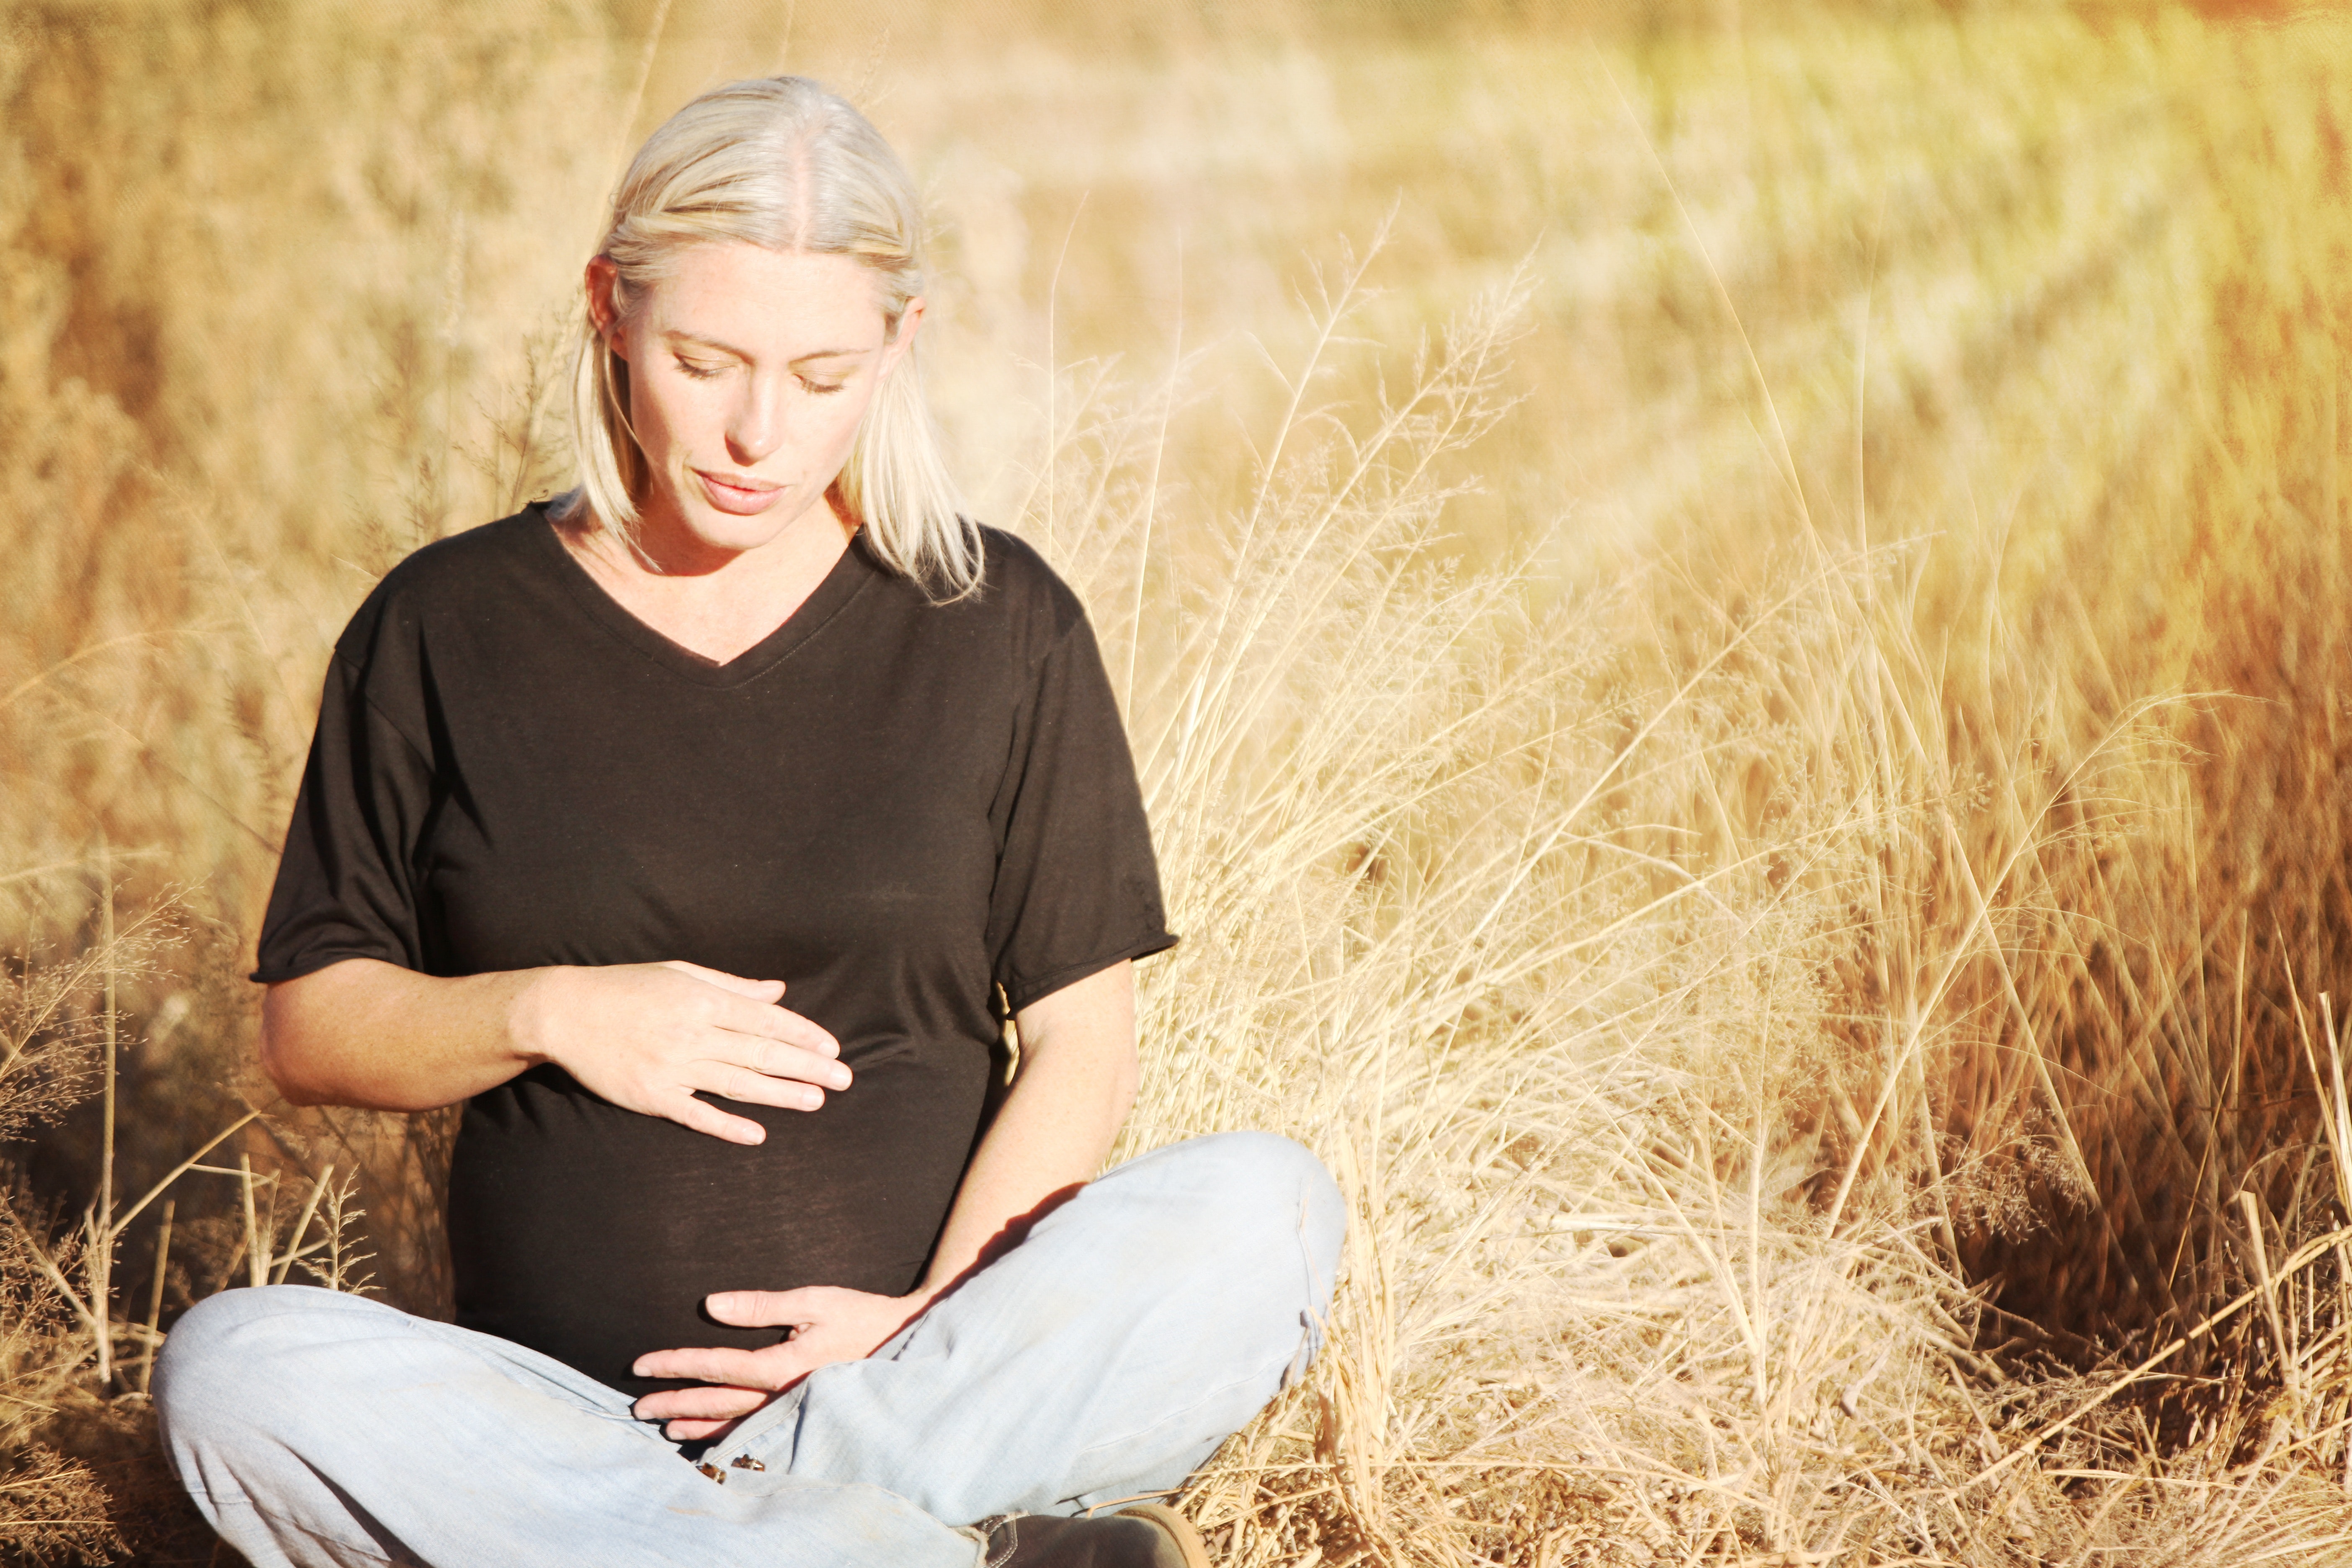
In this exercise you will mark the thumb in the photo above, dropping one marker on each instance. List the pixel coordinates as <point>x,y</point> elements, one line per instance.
<point>760,1309</point>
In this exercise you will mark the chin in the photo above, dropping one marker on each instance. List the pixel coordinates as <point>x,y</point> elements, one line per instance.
<point>709,527</point>
<point>727,531</point>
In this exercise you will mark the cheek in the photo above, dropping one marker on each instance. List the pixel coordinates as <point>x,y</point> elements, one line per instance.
<point>646,414</point>
<point>665,414</point>
<point>843,426</point>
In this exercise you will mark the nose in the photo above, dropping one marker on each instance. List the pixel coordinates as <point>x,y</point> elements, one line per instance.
<point>755,425</point>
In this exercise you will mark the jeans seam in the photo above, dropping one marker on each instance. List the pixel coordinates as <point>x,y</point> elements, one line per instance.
<point>782,1412</point>
<point>1312,1322</point>
<point>1310,1343</point>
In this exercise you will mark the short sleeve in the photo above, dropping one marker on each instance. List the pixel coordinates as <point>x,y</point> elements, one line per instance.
<point>1077,887</point>
<point>346,884</point>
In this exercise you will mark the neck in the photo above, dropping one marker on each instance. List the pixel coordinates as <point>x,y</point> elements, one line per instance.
<point>711,600</point>
<point>663,546</point>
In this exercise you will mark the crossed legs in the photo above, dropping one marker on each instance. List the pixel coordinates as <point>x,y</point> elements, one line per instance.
<point>1103,1357</point>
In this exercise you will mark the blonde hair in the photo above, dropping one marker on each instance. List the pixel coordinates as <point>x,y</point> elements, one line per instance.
<point>781,163</point>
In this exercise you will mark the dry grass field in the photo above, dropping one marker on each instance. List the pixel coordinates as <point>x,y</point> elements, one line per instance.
<point>1732,616</point>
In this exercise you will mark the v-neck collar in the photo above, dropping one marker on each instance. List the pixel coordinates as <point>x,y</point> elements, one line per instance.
<point>845,581</point>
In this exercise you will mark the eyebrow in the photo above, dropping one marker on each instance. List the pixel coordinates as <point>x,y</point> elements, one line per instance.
<point>731,349</point>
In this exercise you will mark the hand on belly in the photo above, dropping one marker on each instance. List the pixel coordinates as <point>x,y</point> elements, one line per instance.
<point>828,1324</point>
<point>649,1036</point>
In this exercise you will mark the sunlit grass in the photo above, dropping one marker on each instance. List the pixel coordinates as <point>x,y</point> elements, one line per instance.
<point>1733,637</point>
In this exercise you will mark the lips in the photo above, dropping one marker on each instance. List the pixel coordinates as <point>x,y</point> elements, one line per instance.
<point>735,497</point>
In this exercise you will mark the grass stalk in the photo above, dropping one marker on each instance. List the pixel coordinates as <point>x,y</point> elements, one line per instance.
<point>155,1297</point>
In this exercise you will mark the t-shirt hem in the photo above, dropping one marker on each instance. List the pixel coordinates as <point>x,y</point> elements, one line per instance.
<point>1070,975</point>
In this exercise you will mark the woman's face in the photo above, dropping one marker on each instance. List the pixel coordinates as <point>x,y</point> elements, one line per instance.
<point>748,371</point>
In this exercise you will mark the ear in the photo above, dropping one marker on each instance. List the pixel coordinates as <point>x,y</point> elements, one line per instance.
<point>911,321</point>
<point>600,279</point>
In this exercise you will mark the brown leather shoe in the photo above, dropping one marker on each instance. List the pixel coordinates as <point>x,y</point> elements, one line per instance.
<point>1140,1535</point>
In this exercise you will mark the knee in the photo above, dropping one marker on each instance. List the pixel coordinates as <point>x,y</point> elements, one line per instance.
<point>1259,1167</point>
<point>205,1342</point>
<point>1266,1190</point>
<point>231,1356</point>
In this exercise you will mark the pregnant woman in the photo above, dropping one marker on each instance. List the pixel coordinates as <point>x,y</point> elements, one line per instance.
<point>699,830</point>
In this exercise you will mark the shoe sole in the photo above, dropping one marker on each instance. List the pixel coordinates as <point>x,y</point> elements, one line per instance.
<point>1188,1540</point>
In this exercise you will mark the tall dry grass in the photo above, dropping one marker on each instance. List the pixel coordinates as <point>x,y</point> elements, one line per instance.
<point>1740,704</point>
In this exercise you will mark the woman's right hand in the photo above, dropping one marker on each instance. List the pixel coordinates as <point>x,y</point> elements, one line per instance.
<point>645,1037</point>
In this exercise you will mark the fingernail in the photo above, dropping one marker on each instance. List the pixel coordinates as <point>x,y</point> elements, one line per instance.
<point>637,1369</point>
<point>838,1078</point>
<point>722,1302</point>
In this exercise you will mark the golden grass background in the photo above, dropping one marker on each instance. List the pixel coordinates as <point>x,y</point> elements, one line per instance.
<point>1732,616</point>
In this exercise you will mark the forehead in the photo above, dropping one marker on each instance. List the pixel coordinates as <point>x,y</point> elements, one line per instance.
<point>788,303</point>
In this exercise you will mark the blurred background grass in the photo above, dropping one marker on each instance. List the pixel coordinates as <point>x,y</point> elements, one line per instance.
<point>1839,699</point>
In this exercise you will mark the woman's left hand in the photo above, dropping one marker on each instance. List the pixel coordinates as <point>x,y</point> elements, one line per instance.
<point>828,1324</point>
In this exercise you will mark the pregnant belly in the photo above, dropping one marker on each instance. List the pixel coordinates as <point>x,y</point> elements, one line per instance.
<point>593,1233</point>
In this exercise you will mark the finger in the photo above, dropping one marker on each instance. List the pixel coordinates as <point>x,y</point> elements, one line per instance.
<point>766,991</point>
<point>717,1363</point>
<point>712,1402</point>
<point>766,1308</point>
<point>778,1059</point>
<point>751,1088</point>
<point>704,1117</point>
<point>695,1431</point>
<point>767,1022</point>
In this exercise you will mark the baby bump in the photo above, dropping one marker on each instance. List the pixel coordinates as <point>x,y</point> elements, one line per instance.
<point>593,1233</point>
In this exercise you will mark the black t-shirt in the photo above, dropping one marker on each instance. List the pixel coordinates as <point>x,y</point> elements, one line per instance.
<point>915,814</point>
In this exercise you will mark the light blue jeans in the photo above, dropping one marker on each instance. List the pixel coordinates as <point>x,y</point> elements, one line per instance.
<point>1103,1357</point>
